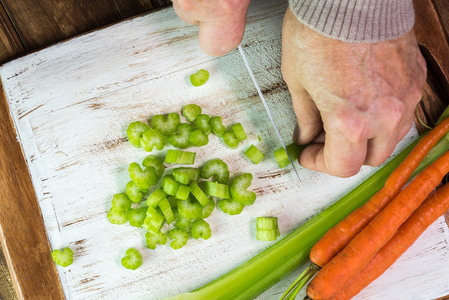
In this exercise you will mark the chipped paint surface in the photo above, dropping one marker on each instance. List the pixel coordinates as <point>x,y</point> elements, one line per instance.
<point>71,104</point>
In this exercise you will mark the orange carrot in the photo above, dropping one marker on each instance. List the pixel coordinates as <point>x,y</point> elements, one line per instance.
<point>341,234</point>
<point>433,207</point>
<point>336,274</point>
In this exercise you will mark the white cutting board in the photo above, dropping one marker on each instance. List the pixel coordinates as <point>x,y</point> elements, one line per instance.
<point>71,104</point>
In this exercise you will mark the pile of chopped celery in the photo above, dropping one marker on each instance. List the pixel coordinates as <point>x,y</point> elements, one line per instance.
<point>173,205</point>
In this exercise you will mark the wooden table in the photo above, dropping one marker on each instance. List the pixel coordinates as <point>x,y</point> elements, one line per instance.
<point>104,96</point>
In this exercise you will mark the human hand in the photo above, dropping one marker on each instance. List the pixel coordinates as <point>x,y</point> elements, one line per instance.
<point>221,23</point>
<point>355,100</point>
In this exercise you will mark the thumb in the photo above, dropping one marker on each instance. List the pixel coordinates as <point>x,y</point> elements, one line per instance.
<point>308,117</point>
<point>219,37</point>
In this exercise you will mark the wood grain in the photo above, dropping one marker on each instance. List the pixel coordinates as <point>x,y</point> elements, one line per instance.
<point>40,23</point>
<point>10,44</point>
<point>23,235</point>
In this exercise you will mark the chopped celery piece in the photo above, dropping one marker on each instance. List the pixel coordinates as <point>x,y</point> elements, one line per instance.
<point>180,139</point>
<point>266,234</point>
<point>166,124</point>
<point>152,138</point>
<point>217,169</point>
<point>198,138</point>
<point>120,205</point>
<point>230,139</point>
<point>198,193</point>
<point>239,132</point>
<point>117,216</point>
<point>267,229</point>
<point>216,125</point>
<point>191,111</point>
<point>183,223</point>
<point>199,78</point>
<point>207,209</point>
<point>180,157</point>
<point>155,197</point>
<point>144,179</point>
<point>267,223</point>
<point>239,192</point>
<point>170,185</point>
<point>200,229</point>
<point>153,239</point>
<point>63,257</point>
<point>121,202</point>
<point>156,163</point>
<point>202,122</point>
<point>135,131</point>
<point>185,175</point>
<point>136,216</point>
<point>167,211</point>
<point>154,220</point>
<point>132,259</point>
<point>134,192</point>
<point>216,189</point>
<point>172,200</point>
<point>183,192</point>
<point>254,154</point>
<point>179,237</point>
<point>189,208</point>
<point>231,206</point>
<point>282,158</point>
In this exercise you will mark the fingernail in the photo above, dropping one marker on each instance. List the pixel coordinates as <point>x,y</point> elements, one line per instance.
<point>295,137</point>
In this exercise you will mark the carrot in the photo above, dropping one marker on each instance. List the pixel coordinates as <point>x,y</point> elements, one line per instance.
<point>433,207</point>
<point>340,235</point>
<point>336,274</point>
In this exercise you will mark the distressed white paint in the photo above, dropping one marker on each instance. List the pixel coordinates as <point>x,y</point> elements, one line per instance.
<point>71,104</point>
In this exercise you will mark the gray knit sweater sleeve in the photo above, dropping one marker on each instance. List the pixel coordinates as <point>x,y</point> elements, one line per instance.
<point>366,21</point>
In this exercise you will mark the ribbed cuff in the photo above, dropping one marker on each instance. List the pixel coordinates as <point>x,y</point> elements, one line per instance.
<point>358,21</point>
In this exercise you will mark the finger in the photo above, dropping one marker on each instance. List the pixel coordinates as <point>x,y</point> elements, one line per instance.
<point>307,116</point>
<point>337,156</point>
<point>183,15</point>
<point>221,36</point>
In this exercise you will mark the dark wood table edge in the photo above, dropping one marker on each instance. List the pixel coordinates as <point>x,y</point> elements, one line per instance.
<point>24,238</point>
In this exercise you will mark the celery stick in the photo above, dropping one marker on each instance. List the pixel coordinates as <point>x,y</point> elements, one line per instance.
<point>239,192</point>
<point>166,124</point>
<point>207,209</point>
<point>189,208</point>
<point>155,197</point>
<point>239,132</point>
<point>191,111</point>
<point>180,138</point>
<point>63,257</point>
<point>179,237</point>
<point>254,154</point>
<point>135,131</point>
<point>156,163</point>
<point>216,189</point>
<point>170,185</point>
<point>230,139</point>
<point>202,122</point>
<point>231,206</point>
<point>134,192</point>
<point>152,239</point>
<point>132,259</point>
<point>136,216</point>
<point>152,138</point>
<point>200,229</point>
<point>199,78</point>
<point>217,170</point>
<point>216,125</point>
<point>198,138</point>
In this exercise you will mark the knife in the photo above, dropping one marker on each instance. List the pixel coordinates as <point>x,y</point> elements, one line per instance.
<point>251,74</point>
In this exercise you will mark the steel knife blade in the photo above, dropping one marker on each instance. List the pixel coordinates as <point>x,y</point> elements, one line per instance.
<point>251,74</point>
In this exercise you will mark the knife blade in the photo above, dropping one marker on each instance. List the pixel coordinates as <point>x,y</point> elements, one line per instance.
<point>259,91</point>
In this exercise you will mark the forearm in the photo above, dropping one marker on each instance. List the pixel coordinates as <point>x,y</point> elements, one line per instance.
<point>367,21</point>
